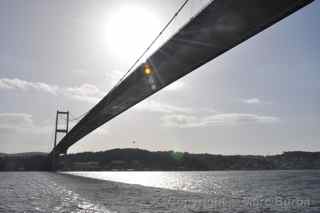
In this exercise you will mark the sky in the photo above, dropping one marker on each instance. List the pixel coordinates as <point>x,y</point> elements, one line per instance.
<point>262,97</point>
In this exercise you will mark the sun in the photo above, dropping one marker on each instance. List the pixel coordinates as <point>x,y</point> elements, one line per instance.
<point>130,29</point>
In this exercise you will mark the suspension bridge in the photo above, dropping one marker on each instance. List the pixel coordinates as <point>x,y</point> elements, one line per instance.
<point>219,27</point>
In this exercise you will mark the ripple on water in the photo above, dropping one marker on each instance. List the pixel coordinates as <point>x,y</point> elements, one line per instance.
<point>37,192</point>
<point>237,191</point>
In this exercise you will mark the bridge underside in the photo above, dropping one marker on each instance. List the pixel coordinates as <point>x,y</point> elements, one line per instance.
<point>219,27</point>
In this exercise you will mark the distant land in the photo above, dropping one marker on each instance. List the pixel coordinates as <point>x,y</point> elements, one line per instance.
<point>143,160</point>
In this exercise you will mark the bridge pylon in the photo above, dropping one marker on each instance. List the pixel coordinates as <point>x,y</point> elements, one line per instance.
<point>64,115</point>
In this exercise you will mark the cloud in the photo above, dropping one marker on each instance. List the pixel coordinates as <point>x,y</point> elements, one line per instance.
<point>180,120</point>
<point>17,84</point>
<point>21,122</point>
<point>155,106</point>
<point>252,101</point>
<point>24,123</point>
<point>174,116</point>
<point>15,121</point>
<point>222,119</point>
<point>164,108</point>
<point>184,117</point>
<point>86,92</point>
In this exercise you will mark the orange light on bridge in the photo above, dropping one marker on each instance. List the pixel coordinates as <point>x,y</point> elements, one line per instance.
<point>147,69</point>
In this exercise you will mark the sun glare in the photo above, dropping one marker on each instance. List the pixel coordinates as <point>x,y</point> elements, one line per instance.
<point>130,30</point>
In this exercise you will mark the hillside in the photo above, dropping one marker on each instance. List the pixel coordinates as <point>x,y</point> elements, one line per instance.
<point>143,160</point>
<point>136,159</point>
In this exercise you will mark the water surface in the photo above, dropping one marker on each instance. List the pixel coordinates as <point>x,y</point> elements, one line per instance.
<point>176,192</point>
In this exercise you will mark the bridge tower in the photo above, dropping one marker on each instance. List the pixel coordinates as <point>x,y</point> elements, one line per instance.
<point>59,130</point>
